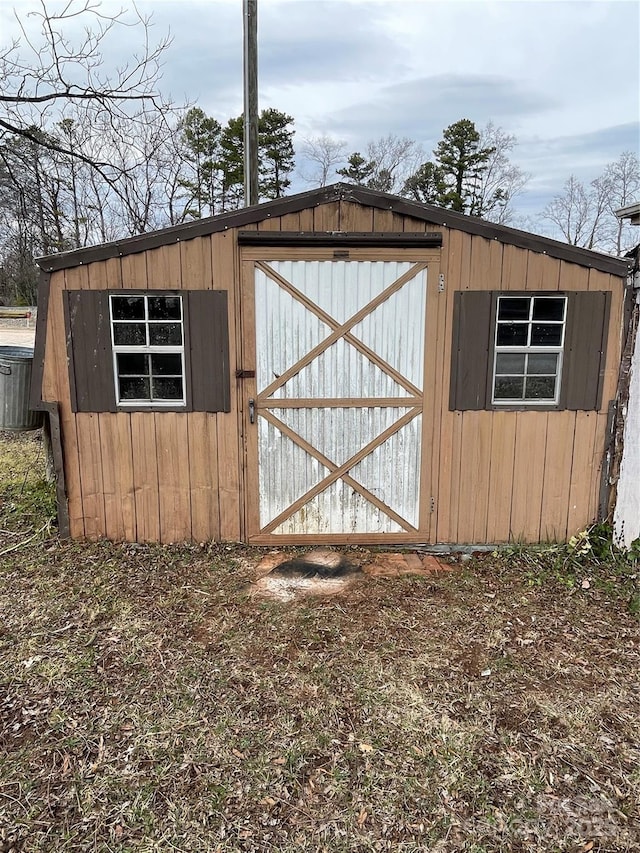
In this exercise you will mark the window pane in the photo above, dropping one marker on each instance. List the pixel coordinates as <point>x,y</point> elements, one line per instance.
<point>546,335</point>
<point>541,387</point>
<point>509,388</point>
<point>512,334</point>
<point>164,308</point>
<point>134,389</point>
<point>548,309</point>
<point>510,362</point>
<point>167,389</point>
<point>163,365</point>
<point>513,308</point>
<point>542,363</point>
<point>132,364</point>
<point>129,334</point>
<point>165,334</point>
<point>127,307</point>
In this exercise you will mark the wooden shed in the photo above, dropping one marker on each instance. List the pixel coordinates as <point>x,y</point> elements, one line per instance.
<point>340,365</point>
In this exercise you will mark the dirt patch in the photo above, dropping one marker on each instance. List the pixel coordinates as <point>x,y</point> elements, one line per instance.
<point>319,572</point>
<point>322,564</point>
<point>390,565</point>
<point>327,572</point>
<point>289,588</point>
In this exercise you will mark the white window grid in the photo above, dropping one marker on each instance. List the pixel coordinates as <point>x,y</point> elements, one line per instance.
<point>529,349</point>
<point>147,348</point>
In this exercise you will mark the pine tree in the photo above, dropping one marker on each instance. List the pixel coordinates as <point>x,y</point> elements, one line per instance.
<point>232,164</point>
<point>462,161</point>
<point>358,170</point>
<point>426,185</point>
<point>275,152</point>
<point>201,137</point>
<point>275,157</point>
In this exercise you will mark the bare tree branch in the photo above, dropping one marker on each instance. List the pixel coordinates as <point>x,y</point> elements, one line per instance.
<point>585,216</point>
<point>501,181</point>
<point>323,153</point>
<point>41,79</point>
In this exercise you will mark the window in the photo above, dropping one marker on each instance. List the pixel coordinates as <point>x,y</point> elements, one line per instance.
<point>519,350</point>
<point>147,334</point>
<point>529,341</point>
<point>148,350</point>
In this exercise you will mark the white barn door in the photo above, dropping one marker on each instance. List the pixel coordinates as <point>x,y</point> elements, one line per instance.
<point>336,421</point>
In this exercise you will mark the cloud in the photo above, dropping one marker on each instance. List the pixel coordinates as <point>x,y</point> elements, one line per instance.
<point>344,42</point>
<point>305,50</point>
<point>553,160</point>
<point>422,108</point>
<point>561,76</point>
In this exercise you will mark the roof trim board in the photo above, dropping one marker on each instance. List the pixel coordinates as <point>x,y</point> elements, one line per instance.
<point>335,193</point>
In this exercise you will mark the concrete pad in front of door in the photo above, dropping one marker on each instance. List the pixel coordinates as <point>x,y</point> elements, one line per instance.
<point>326,572</point>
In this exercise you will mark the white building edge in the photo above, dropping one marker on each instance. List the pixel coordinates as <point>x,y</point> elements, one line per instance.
<point>626,517</point>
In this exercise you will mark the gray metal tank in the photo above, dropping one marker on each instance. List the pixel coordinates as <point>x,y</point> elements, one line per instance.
<point>15,381</point>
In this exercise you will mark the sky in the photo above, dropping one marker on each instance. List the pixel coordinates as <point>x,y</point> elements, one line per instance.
<point>563,77</point>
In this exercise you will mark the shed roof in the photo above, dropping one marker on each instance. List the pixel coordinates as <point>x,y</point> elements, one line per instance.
<point>336,192</point>
<point>630,212</point>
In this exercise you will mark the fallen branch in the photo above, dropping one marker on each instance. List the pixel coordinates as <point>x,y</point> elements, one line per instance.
<point>24,542</point>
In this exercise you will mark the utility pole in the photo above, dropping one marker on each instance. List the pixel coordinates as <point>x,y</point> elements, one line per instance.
<point>250,14</point>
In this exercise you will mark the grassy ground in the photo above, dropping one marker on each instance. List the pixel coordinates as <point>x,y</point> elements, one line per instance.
<point>147,704</point>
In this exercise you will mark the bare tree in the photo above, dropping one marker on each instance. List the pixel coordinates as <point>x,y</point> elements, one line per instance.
<point>394,159</point>
<point>585,216</point>
<point>389,162</point>
<point>323,153</point>
<point>40,79</point>
<point>501,181</point>
<point>146,156</point>
<point>623,178</point>
<point>572,212</point>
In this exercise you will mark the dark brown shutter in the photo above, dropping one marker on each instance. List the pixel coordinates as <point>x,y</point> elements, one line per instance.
<point>585,350</point>
<point>470,349</point>
<point>209,351</point>
<point>88,331</point>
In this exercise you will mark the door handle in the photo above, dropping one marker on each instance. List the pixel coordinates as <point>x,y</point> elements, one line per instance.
<point>252,411</point>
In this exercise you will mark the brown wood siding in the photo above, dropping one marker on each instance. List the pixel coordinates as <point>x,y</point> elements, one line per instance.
<point>544,467</point>
<point>494,476</point>
<point>59,388</point>
<point>353,217</point>
<point>225,273</point>
<point>150,476</point>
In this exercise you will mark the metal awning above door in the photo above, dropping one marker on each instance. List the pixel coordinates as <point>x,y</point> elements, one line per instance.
<point>380,239</point>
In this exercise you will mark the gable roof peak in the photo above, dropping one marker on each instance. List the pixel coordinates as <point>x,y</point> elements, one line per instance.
<point>341,191</point>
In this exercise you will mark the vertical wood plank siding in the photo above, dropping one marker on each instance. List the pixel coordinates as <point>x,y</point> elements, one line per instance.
<point>226,276</point>
<point>494,476</point>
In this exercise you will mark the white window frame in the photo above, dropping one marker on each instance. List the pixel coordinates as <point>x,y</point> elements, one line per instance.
<point>527,349</point>
<point>147,348</point>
